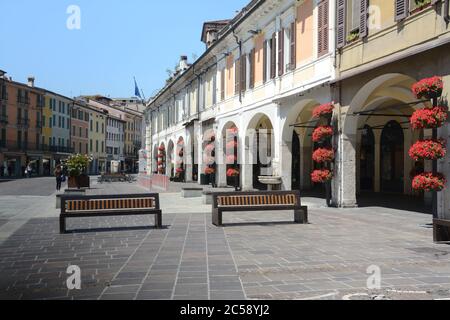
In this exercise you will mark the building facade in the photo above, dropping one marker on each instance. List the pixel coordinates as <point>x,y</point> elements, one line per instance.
<point>265,71</point>
<point>115,144</point>
<point>80,127</point>
<point>97,139</point>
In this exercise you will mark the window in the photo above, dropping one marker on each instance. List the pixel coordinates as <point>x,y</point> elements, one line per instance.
<point>273,56</point>
<point>54,120</point>
<point>50,123</point>
<point>323,29</point>
<point>91,125</point>
<point>90,143</point>
<point>96,126</point>
<point>252,69</point>
<point>237,75</point>
<point>103,147</point>
<point>353,15</point>
<point>80,134</point>
<point>281,52</point>
<point>96,145</point>
<point>87,133</point>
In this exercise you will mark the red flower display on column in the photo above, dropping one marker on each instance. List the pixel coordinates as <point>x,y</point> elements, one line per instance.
<point>321,133</point>
<point>429,182</point>
<point>428,150</point>
<point>325,110</point>
<point>322,155</point>
<point>232,172</point>
<point>321,176</point>
<point>209,170</point>
<point>429,118</point>
<point>428,88</point>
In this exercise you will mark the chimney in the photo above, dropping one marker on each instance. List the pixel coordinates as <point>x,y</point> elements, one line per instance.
<point>31,81</point>
<point>183,63</point>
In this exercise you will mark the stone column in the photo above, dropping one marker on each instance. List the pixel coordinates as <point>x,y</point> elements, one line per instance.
<point>344,190</point>
<point>221,167</point>
<point>444,167</point>
<point>245,159</point>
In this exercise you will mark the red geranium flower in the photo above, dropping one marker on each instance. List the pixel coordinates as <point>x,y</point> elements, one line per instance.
<point>232,145</point>
<point>428,150</point>
<point>179,170</point>
<point>161,148</point>
<point>429,118</point>
<point>321,176</point>
<point>323,110</point>
<point>428,88</point>
<point>232,172</point>
<point>429,182</point>
<point>160,163</point>
<point>322,155</point>
<point>321,133</point>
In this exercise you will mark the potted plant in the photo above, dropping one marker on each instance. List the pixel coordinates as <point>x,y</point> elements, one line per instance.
<point>420,5</point>
<point>323,155</point>
<point>77,165</point>
<point>321,176</point>
<point>428,88</point>
<point>429,182</point>
<point>428,150</point>
<point>322,133</point>
<point>234,173</point>
<point>325,110</point>
<point>429,118</point>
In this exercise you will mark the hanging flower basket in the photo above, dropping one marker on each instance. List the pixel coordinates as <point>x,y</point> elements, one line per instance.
<point>322,155</point>
<point>429,118</point>
<point>232,145</point>
<point>160,156</point>
<point>208,160</point>
<point>325,110</point>
<point>161,148</point>
<point>322,133</point>
<point>160,163</point>
<point>209,170</point>
<point>428,150</point>
<point>429,182</point>
<point>232,172</point>
<point>321,176</point>
<point>428,88</point>
<point>231,158</point>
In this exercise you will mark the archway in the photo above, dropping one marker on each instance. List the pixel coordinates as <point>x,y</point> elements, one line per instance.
<point>155,159</point>
<point>392,158</point>
<point>260,144</point>
<point>180,169</point>
<point>171,159</point>
<point>376,133</point>
<point>296,155</point>
<point>230,143</point>
<point>162,159</point>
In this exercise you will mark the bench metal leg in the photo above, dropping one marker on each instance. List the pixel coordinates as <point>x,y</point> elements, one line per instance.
<point>217,217</point>
<point>441,233</point>
<point>62,224</point>
<point>301,215</point>
<point>158,220</point>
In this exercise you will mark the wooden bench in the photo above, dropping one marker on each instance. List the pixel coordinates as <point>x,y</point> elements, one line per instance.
<point>102,206</point>
<point>441,230</point>
<point>258,201</point>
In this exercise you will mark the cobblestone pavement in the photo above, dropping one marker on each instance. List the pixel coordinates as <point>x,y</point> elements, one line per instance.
<point>255,256</point>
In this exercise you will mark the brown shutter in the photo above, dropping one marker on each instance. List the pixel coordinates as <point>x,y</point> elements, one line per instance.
<point>222,85</point>
<point>401,9</point>
<point>265,59</point>
<point>237,76</point>
<point>293,52</point>
<point>273,56</point>
<point>281,52</point>
<point>244,73</point>
<point>340,22</point>
<point>323,31</point>
<point>252,69</point>
<point>363,19</point>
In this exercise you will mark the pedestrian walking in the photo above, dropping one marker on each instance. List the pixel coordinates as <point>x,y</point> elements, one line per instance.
<point>28,171</point>
<point>58,174</point>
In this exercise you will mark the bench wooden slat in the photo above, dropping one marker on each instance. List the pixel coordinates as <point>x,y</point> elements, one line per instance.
<point>92,206</point>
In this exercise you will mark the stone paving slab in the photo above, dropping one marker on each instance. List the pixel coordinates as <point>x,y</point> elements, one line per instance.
<point>257,255</point>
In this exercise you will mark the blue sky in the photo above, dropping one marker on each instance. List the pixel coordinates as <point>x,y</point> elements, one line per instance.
<point>118,39</point>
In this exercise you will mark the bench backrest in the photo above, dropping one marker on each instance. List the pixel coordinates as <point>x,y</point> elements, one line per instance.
<point>93,203</point>
<point>257,199</point>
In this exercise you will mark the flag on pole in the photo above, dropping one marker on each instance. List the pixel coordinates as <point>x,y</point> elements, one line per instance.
<point>137,92</point>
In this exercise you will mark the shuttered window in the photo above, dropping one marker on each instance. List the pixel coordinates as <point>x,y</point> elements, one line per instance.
<point>401,9</point>
<point>265,60</point>
<point>293,53</point>
<point>273,57</point>
<point>243,73</point>
<point>340,32</point>
<point>323,31</point>
<point>222,85</point>
<point>281,52</point>
<point>237,76</point>
<point>252,69</point>
<point>363,18</point>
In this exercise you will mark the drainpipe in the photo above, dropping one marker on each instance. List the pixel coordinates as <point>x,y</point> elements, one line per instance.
<point>239,43</point>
